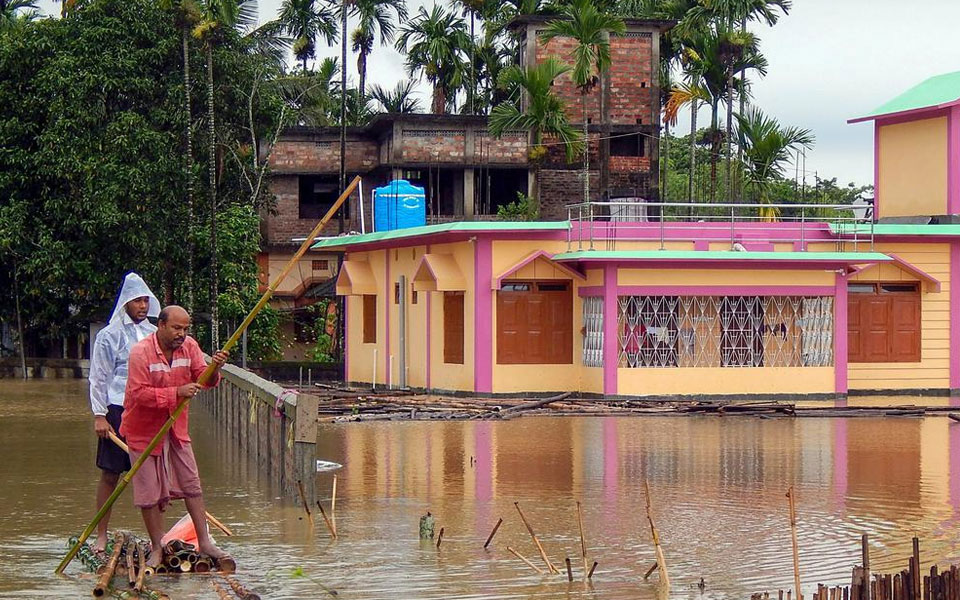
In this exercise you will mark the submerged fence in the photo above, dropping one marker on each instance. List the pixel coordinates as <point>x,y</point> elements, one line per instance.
<point>274,428</point>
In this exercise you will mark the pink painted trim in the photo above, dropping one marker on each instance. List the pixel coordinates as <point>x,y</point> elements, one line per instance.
<point>429,318</point>
<point>590,290</point>
<point>932,283</point>
<point>483,316</point>
<point>498,282</point>
<point>611,344</point>
<point>955,315</point>
<point>953,161</point>
<point>684,263</point>
<point>914,114</point>
<point>701,245</point>
<point>388,297</point>
<point>726,290</point>
<point>876,170</point>
<point>840,352</point>
<point>346,333</point>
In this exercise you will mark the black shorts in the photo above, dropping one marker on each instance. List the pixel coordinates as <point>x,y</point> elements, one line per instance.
<point>109,456</point>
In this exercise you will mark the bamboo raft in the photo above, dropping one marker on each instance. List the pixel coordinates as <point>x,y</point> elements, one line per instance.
<point>124,573</point>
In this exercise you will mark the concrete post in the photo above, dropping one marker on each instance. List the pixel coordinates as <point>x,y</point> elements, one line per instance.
<point>305,445</point>
<point>469,195</point>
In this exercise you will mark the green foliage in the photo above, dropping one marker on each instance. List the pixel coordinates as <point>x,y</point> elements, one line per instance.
<point>521,209</point>
<point>323,350</point>
<point>436,44</point>
<point>92,183</point>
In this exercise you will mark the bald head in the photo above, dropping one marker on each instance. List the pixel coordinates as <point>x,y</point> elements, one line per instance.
<point>173,324</point>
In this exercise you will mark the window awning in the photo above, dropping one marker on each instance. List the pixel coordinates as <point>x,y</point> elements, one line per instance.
<point>355,279</point>
<point>930,283</point>
<point>438,273</point>
<point>544,258</point>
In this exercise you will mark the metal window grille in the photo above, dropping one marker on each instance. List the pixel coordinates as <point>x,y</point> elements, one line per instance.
<point>725,331</point>
<point>593,331</point>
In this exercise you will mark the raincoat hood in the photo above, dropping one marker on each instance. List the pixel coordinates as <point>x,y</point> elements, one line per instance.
<point>134,287</point>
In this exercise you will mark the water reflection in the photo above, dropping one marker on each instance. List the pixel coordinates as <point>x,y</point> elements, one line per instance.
<point>718,488</point>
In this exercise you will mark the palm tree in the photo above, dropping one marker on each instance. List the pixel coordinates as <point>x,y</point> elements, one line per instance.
<point>398,100</point>
<point>767,145</point>
<point>186,14</point>
<point>10,8</point>
<point>682,94</point>
<point>435,43</point>
<point>374,17</point>
<point>590,29</point>
<point>306,21</point>
<point>543,114</point>
<point>215,16</point>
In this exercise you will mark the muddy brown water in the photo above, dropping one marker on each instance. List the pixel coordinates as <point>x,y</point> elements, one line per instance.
<point>718,489</point>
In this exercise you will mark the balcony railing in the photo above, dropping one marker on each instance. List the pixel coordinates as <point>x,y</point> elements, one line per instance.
<point>601,225</point>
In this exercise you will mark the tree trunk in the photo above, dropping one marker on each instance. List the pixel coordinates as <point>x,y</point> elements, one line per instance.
<point>743,91</point>
<point>341,221</point>
<point>714,147</point>
<point>212,172</point>
<point>473,75</point>
<point>362,70</point>
<point>665,159</point>
<point>304,59</point>
<point>729,156</point>
<point>693,151</point>
<point>439,100</point>
<point>188,298</point>
<point>586,150</point>
<point>16,294</point>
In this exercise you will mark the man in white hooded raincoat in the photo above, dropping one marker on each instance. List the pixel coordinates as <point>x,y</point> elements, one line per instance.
<point>108,381</point>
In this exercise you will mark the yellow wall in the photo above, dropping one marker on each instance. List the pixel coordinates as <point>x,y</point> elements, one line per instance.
<point>720,380</point>
<point>444,376</point>
<point>933,370</point>
<point>913,168</point>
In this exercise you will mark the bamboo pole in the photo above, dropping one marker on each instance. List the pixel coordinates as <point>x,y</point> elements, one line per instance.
<point>493,533</point>
<point>333,502</point>
<point>592,569</point>
<point>131,569</point>
<point>103,582</point>
<point>796,552</point>
<point>333,531</point>
<point>303,499</point>
<point>536,541</point>
<point>521,557</point>
<point>661,559</point>
<point>440,538</point>
<point>569,569</point>
<point>142,561</point>
<point>583,543</point>
<point>865,551</point>
<point>213,520</point>
<point>205,376</point>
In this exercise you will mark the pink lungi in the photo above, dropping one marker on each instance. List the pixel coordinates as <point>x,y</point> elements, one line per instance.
<point>170,476</point>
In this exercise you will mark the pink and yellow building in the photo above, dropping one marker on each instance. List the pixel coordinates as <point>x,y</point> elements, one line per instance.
<point>614,303</point>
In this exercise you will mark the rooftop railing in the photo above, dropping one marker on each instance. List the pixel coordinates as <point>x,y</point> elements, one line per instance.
<point>601,225</point>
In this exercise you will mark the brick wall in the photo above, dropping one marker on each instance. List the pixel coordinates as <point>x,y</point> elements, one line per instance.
<point>509,149</point>
<point>323,156</point>
<point>284,223</point>
<point>630,80</point>
<point>560,187</point>
<point>629,163</point>
<point>433,145</point>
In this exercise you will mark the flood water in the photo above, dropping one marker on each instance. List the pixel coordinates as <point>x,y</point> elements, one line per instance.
<point>717,487</point>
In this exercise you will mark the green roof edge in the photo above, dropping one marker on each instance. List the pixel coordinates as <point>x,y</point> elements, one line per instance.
<point>466,226</point>
<point>929,93</point>
<point>881,229</point>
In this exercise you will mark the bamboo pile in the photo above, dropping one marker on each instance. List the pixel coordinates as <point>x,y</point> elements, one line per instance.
<point>181,557</point>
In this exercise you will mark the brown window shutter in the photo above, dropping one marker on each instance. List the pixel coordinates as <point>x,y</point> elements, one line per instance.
<point>369,319</point>
<point>884,325</point>
<point>453,328</point>
<point>535,323</point>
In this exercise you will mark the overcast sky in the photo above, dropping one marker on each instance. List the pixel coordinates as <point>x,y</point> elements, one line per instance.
<point>830,60</point>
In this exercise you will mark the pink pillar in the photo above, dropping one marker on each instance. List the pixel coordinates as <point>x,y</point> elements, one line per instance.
<point>346,339</point>
<point>953,161</point>
<point>611,459</point>
<point>611,344</point>
<point>429,318</point>
<point>876,169</point>
<point>483,316</point>
<point>387,300</point>
<point>955,317</point>
<point>840,334</point>
<point>839,462</point>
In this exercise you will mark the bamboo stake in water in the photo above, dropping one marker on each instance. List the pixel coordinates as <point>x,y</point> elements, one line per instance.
<point>303,499</point>
<point>796,551</point>
<point>205,376</point>
<point>330,528</point>
<point>661,560</point>
<point>529,564</point>
<point>583,543</point>
<point>493,533</point>
<point>333,506</point>
<point>536,541</point>
<point>213,520</point>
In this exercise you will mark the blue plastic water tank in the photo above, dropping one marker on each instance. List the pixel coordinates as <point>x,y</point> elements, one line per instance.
<point>399,205</point>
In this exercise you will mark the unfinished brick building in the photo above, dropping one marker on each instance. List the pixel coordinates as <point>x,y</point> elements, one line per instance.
<point>467,173</point>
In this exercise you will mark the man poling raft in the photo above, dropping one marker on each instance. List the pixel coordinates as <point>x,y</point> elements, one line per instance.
<point>204,377</point>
